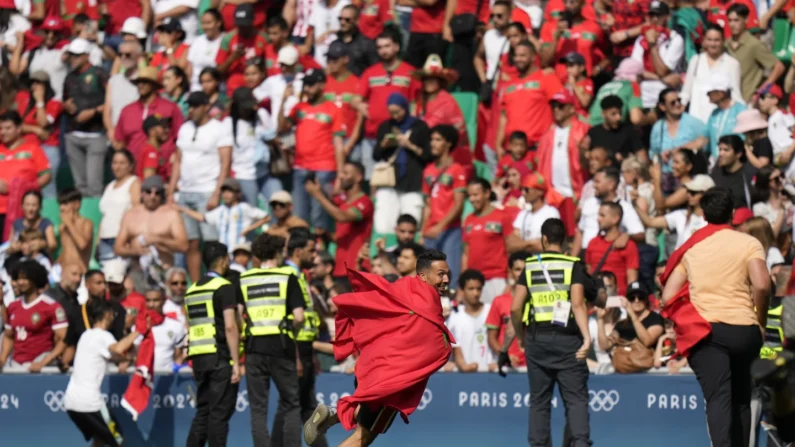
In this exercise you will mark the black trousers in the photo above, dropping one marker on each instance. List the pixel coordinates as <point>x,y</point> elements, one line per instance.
<point>308,399</point>
<point>260,369</point>
<point>550,357</point>
<point>722,363</point>
<point>423,45</point>
<point>216,397</point>
<point>463,55</point>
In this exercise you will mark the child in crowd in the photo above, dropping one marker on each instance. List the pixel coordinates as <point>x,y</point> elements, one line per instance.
<point>471,352</point>
<point>76,234</point>
<point>234,220</point>
<point>579,84</point>
<point>152,161</point>
<point>664,355</point>
<point>31,240</point>
<point>241,256</point>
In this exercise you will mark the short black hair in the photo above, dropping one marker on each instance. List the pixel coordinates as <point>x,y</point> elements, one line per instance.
<point>612,173</point>
<point>213,251</point>
<point>69,196</point>
<point>667,91</point>
<point>391,34</point>
<point>428,257</point>
<point>554,230</point>
<point>485,184</point>
<point>81,19</point>
<point>413,246</point>
<point>407,218</point>
<point>358,166</point>
<point>96,310</point>
<point>277,20</point>
<point>505,3</point>
<point>615,208</point>
<point>715,27</point>
<point>448,132</point>
<point>718,205</point>
<point>526,43</point>
<point>518,135</point>
<point>12,116</point>
<point>734,142</point>
<point>92,273</point>
<point>267,246</point>
<point>35,193</point>
<point>519,256</point>
<point>606,274</point>
<point>127,155</point>
<point>299,238</point>
<point>354,8</point>
<point>611,102</point>
<point>470,275</point>
<point>34,272</point>
<point>739,9</point>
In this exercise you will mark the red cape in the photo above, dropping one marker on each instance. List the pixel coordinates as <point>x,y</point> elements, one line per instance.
<point>399,333</point>
<point>689,325</point>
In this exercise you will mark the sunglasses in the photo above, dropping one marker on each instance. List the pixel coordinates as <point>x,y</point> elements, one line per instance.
<point>636,298</point>
<point>150,191</point>
<point>675,102</point>
<point>126,55</point>
<point>278,205</point>
<point>179,283</point>
<point>692,193</point>
<point>776,179</point>
<point>497,16</point>
<point>345,19</point>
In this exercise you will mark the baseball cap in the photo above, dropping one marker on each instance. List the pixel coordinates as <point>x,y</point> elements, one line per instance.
<point>742,215</point>
<point>535,181</point>
<point>154,182</point>
<point>231,184</point>
<point>313,76</point>
<point>771,89</point>
<point>243,246</point>
<point>196,99</point>
<point>636,289</point>
<point>288,55</point>
<point>659,8</point>
<point>170,25</point>
<point>244,15</point>
<point>52,23</point>
<point>281,197</point>
<point>573,58</point>
<point>562,97</point>
<point>152,121</point>
<point>115,270</point>
<point>700,183</point>
<point>78,46</point>
<point>134,26</point>
<point>720,82</point>
<point>336,50</point>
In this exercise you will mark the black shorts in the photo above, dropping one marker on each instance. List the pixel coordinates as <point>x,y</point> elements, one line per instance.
<point>376,420</point>
<point>98,425</point>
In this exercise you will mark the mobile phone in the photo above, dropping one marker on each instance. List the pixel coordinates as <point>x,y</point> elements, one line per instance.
<point>613,301</point>
<point>390,136</point>
<point>310,177</point>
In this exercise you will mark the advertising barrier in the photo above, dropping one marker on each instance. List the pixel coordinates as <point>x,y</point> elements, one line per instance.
<point>456,410</point>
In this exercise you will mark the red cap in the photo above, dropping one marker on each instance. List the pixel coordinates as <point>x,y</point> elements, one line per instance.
<point>535,181</point>
<point>742,215</point>
<point>53,23</point>
<point>562,97</point>
<point>771,89</point>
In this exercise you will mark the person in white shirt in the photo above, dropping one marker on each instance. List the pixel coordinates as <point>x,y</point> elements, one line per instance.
<point>527,225</point>
<point>494,43</point>
<point>233,220</point>
<point>176,286</point>
<point>780,123</point>
<point>684,222</point>
<point>204,49</point>
<point>47,57</point>
<point>202,163</point>
<point>468,326</point>
<point>605,185</point>
<point>169,336</point>
<point>83,397</point>
<point>273,87</point>
<point>323,26</point>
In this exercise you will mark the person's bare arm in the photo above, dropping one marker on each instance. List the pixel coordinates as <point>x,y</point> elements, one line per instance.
<point>81,232</point>
<point>107,118</point>
<point>175,12</point>
<point>641,206</point>
<point>479,61</point>
<point>146,12</point>
<point>122,247</point>
<point>580,312</point>
<point>52,241</point>
<point>289,12</point>
<point>232,336</point>
<point>500,141</point>
<point>8,346</point>
<point>339,153</point>
<point>298,318</point>
<point>59,335</point>
<point>760,286</point>
<point>583,97</point>
<point>675,282</point>
<point>632,275</point>
<point>336,213</point>
<point>175,170</point>
<point>43,179</point>
<point>789,78</point>
<point>135,192</point>
<point>605,343</point>
<point>461,364</point>
<point>465,257</point>
<point>494,342</point>
<point>120,349</point>
<point>18,64</point>
<point>517,311</point>
<point>195,215</point>
<point>777,72</point>
<point>514,243</point>
<point>576,245</point>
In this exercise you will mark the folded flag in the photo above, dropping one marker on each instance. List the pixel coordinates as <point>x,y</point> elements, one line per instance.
<point>136,398</point>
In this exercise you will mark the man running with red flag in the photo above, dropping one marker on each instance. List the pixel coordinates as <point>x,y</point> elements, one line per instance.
<point>399,334</point>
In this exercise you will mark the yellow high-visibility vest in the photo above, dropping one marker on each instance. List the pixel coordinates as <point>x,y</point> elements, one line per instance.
<point>201,317</point>
<point>540,304</point>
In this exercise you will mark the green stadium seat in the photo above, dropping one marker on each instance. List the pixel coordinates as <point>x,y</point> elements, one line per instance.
<point>783,39</point>
<point>89,209</point>
<point>468,102</point>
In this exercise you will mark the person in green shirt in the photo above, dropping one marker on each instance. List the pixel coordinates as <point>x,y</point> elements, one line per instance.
<point>625,86</point>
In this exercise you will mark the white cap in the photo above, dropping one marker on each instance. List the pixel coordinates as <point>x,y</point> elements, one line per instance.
<point>288,55</point>
<point>78,46</point>
<point>115,270</point>
<point>700,183</point>
<point>719,82</point>
<point>134,26</point>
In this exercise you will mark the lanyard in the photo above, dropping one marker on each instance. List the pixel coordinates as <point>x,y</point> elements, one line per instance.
<point>546,274</point>
<point>293,265</point>
<point>213,275</point>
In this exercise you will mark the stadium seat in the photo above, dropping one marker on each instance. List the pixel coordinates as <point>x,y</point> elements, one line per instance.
<point>783,40</point>
<point>469,107</point>
<point>89,209</point>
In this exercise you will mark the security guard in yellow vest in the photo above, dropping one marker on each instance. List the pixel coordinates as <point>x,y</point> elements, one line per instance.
<point>549,309</point>
<point>774,333</point>
<point>301,254</point>
<point>213,339</point>
<point>274,317</point>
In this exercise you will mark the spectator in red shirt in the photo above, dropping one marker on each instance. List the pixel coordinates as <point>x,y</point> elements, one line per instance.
<point>240,45</point>
<point>41,123</point>
<point>444,186</point>
<point>278,32</point>
<point>341,87</point>
<point>119,11</point>
<point>525,100</point>
<point>518,152</point>
<point>578,83</point>
<point>152,161</point>
<point>573,33</point>
<point>352,211</point>
<point>485,231</point>
<point>173,49</point>
<point>430,28</point>
<point>319,134</point>
<point>602,254</point>
<point>379,81</point>
<point>36,327</point>
<point>374,15</point>
<point>498,322</point>
<point>629,17</point>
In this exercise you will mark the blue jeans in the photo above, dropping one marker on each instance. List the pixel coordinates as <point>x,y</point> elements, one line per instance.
<point>306,207</point>
<point>250,192</point>
<point>197,201</point>
<point>50,191</point>
<point>449,243</point>
<point>105,249</point>
<point>363,153</point>
<point>269,185</point>
<point>404,19</point>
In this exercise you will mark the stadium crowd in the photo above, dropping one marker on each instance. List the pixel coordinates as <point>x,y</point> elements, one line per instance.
<point>135,131</point>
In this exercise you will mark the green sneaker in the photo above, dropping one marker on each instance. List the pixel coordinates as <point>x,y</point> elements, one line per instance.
<point>317,424</point>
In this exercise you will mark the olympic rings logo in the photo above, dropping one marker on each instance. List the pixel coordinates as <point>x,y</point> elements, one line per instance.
<point>54,401</point>
<point>427,397</point>
<point>603,400</point>
<point>242,401</point>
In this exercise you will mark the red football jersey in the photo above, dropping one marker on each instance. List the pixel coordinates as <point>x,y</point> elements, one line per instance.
<point>32,326</point>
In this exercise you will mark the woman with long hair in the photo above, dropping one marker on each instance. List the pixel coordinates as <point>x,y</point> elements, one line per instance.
<point>210,79</point>
<point>255,73</point>
<point>176,87</point>
<point>10,92</point>
<point>685,165</point>
<point>760,228</point>
<point>32,219</point>
<point>40,123</point>
<point>204,48</point>
<point>121,194</point>
<point>769,199</point>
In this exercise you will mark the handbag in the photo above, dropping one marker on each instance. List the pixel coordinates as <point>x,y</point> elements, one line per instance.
<point>384,174</point>
<point>281,161</point>
<point>464,25</point>
<point>632,357</point>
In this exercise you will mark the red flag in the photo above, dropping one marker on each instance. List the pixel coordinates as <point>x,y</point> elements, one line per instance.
<point>689,325</point>
<point>136,398</point>
<point>399,333</point>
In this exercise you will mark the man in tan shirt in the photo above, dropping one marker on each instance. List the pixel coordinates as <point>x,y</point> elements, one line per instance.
<point>729,287</point>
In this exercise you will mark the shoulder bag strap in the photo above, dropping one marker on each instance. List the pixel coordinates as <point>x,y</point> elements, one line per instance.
<point>604,258</point>
<point>85,316</point>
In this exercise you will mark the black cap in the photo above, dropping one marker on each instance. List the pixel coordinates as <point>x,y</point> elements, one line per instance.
<point>659,8</point>
<point>313,76</point>
<point>244,98</point>
<point>171,25</point>
<point>152,121</point>
<point>196,99</point>
<point>636,289</point>
<point>573,58</point>
<point>244,15</point>
<point>336,50</point>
